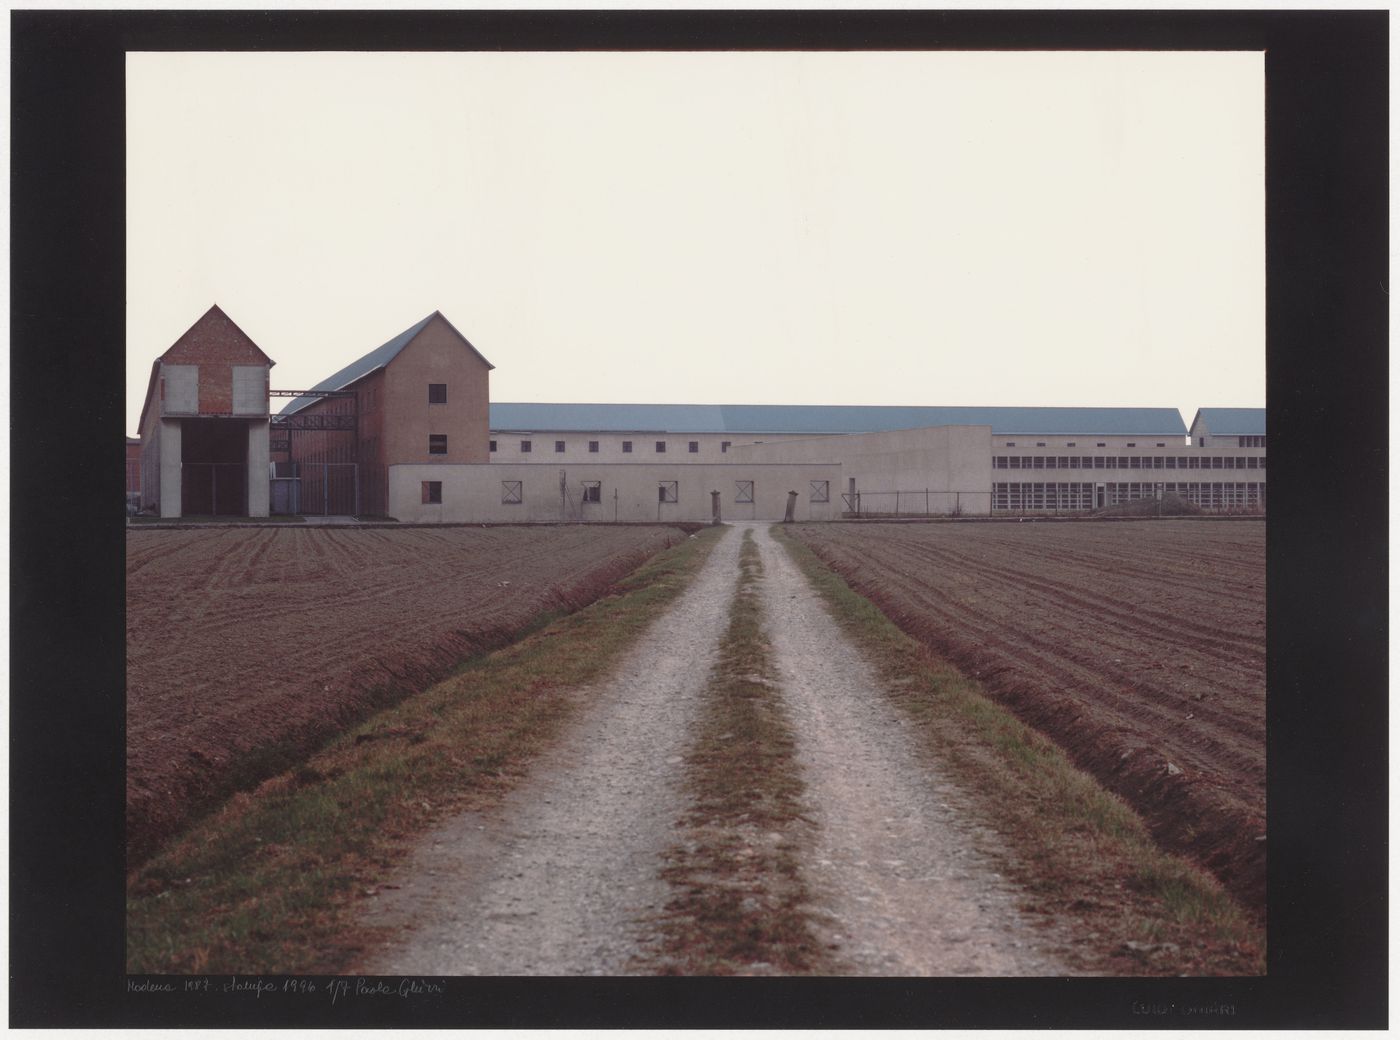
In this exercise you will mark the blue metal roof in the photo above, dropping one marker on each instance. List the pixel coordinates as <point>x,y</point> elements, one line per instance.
<point>827,419</point>
<point>1232,422</point>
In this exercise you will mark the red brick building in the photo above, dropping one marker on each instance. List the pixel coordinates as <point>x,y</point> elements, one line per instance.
<point>422,397</point>
<point>204,426</point>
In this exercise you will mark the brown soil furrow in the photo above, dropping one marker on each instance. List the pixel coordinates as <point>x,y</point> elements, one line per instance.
<point>1006,665</point>
<point>247,645</point>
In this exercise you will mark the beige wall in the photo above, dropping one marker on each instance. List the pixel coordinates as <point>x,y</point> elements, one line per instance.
<point>473,494</point>
<point>436,355</point>
<point>259,491</point>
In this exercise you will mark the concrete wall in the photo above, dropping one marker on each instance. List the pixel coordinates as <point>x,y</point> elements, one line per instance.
<point>628,493</point>
<point>180,394</point>
<point>951,463</point>
<point>259,491</point>
<point>250,390</point>
<point>169,453</point>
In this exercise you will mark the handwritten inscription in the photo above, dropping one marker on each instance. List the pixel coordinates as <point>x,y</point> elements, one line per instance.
<point>1143,1007</point>
<point>259,987</point>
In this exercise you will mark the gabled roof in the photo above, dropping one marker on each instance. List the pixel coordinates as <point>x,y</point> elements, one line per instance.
<point>213,312</point>
<point>377,359</point>
<point>1231,422</point>
<point>829,419</point>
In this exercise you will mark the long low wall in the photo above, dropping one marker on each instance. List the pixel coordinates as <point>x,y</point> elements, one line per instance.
<point>603,493</point>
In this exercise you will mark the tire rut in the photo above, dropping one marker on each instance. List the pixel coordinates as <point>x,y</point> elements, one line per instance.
<point>558,879</point>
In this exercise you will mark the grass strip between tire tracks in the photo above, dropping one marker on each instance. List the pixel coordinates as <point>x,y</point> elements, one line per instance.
<point>738,907</point>
<point>272,882</point>
<point>1081,853</point>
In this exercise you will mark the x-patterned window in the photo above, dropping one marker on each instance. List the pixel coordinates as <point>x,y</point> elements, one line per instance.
<point>592,490</point>
<point>511,492</point>
<point>743,491</point>
<point>667,491</point>
<point>821,491</point>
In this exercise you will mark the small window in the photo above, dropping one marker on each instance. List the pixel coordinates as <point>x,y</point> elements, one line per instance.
<point>1040,444</point>
<point>512,492</point>
<point>493,445</point>
<point>724,446</point>
<point>693,447</point>
<point>627,447</point>
<point>432,492</point>
<point>525,447</point>
<point>1161,444</point>
<point>1101,444</point>
<point>1132,444</point>
<point>1071,444</point>
<point>661,447</point>
<point>667,491</point>
<point>437,444</point>
<point>593,447</point>
<point>1244,442</point>
<point>1011,444</point>
<point>1203,443</point>
<point>558,447</point>
<point>743,491</point>
<point>592,491</point>
<point>437,393</point>
<point>821,491</point>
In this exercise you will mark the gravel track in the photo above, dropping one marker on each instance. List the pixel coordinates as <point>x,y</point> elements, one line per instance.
<point>559,880</point>
<point>904,883</point>
<point>555,881</point>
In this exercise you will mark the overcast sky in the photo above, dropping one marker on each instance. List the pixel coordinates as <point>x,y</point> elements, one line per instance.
<point>785,228</point>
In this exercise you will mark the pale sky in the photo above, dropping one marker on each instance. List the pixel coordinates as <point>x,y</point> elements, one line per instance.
<point>731,228</point>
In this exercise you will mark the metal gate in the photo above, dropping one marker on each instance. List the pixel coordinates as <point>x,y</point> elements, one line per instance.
<point>318,489</point>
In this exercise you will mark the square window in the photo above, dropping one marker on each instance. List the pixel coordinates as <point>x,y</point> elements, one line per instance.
<point>525,447</point>
<point>821,491</point>
<point>558,446</point>
<point>667,491</point>
<point>743,491</point>
<point>493,445</point>
<point>512,492</point>
<point>592,491</point>
<point>437,444</point>
<point>627,447</point>
<point>724,446</point>
<point>694,447</point>
<point>660,447</point>
<point>593,447</point>
<point>432,492</point>
<point>437,393</point>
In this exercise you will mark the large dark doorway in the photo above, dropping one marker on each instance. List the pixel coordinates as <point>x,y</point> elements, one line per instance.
<point>214,467</point>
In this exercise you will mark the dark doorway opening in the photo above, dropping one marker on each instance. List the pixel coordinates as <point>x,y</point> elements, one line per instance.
<point>213,467</point>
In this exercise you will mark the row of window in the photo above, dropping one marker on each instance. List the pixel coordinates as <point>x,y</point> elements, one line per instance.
<point>560,447</point>
<point>1097,444</point>
<point>1219,495</point>
<point>1128,462</point>
<point>1253,442</point>
<point>513,491</point>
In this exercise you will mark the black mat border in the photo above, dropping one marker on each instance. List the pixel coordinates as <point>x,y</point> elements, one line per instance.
<point>1327,384</point>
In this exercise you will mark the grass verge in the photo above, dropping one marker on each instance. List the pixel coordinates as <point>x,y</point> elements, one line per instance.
<point>271,882</point>
<point>739,902</point>
<point>1079,852</point>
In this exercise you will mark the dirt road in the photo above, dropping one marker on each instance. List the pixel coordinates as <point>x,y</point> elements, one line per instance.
<point>560,881</point>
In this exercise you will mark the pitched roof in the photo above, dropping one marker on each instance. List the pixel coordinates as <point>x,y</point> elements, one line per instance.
<point>215,311</point>
<point>1232,422</point>
<point>828,419</point>
<point>376,359</point>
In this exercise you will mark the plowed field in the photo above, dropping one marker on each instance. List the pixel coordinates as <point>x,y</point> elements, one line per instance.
<point>246,646</point>
<point>1137,646</point>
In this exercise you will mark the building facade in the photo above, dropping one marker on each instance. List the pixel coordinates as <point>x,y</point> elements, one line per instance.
<point>204,424</point>
<point>409,431</point>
